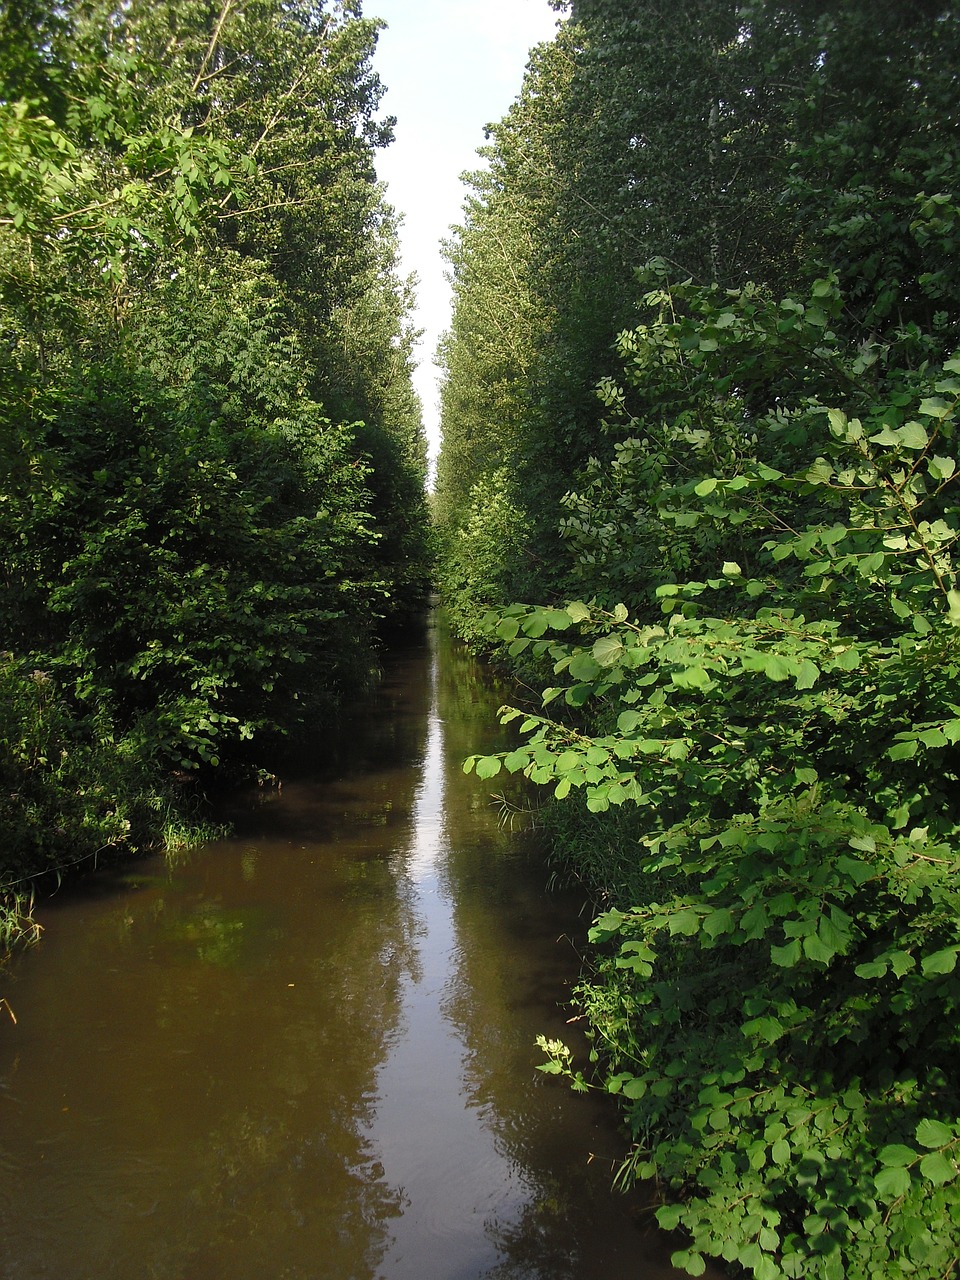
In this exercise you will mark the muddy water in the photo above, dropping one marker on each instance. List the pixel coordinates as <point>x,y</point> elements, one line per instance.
<point>306,1052</point>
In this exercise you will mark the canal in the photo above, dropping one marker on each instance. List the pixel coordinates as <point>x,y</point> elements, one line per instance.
<point>307,1052</point>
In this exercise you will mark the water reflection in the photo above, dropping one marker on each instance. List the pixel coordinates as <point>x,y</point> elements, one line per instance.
<point>307,1052</point>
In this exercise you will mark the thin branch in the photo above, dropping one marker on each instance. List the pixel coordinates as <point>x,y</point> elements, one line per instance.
<point>212,46</point>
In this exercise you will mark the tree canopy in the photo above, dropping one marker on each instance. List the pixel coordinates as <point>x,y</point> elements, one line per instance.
<point>212,498</point>
<point>699,485</point>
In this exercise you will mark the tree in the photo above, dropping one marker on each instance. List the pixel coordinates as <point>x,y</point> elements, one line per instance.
<point>199,298</point>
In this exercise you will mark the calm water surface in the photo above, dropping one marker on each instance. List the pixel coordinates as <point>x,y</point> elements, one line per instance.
<point>306,1052</point>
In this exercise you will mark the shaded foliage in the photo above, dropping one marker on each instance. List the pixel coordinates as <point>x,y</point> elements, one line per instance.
<point>212,456</point>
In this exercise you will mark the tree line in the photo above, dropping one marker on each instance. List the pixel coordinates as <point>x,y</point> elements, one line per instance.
<point>212,501</point>
<point>698,484</point>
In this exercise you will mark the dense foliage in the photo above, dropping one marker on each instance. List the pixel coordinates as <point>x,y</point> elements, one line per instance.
<point>747,635</point>
<point>211,501</point>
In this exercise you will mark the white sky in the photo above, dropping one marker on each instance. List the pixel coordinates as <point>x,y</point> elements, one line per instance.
<point>450,67</point>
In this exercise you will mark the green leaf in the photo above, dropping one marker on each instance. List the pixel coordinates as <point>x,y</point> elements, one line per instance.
<point>718,922</point>
<point>776,668</point>
<point>935,406</point>
<point>891,1184</point>
<point>780,1152</point>
<point>786,956</point>
<point>488,766</point>
<point>768,1029</point>
<point>937,1168</point>
<point>934,1133</point>
<point>912,435</point>
<point>668,1216</point>
<point>567,760</point>
<point>691,678</point>
<point>814,948</point>
<point>944,961</point>
<point>607,651</point>
<point>685,923</point>
<point>705,487</point>
<point>941,468</point>
<point>820,473</point>
<point>808,675</point>
<point>583,666</point>
<point>896,1156</point>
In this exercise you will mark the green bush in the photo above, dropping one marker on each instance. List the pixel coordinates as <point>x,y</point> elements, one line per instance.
<point>777,1007</point>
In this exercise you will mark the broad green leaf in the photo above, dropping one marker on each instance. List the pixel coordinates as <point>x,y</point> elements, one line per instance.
<point>820,473</point>
<point>937,1168</point>
<point>776,668</point>
<point>718,922</point>
<point>518,759</point>
<point>855,869</point>
<point>691,678</point>
<point>668,1216</point>
<point>944,961</point>
<point>583,666</point>
<point>891,1184</point>
<point>705,487</point>
<point>786,956</point>
<point>838,422</point>
<point>768,1029</point>
<point>685,922</point>
<point>814,948</point>
<point>808,675</point>
<point>866,844</point>
<point>896,1155</point>
<point>934,1133</point>
<point>780,1152</point>
<point>568,760</point>
<point>941,468</point>
<point>912,435</point>
<point>607,651</point>
<point>935,406</point>
<point>488,766</point>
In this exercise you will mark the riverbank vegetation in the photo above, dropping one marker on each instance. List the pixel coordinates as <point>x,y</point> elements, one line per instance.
<point>212,495</point>
<point>699,485</point>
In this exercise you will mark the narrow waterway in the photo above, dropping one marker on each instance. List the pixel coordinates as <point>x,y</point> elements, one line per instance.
<point>307,1052</point>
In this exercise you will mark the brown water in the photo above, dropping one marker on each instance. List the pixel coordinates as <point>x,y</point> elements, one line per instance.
<point>307,1052</point>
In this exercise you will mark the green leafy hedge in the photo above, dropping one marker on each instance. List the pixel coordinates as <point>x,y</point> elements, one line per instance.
<point>777,1007</point>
